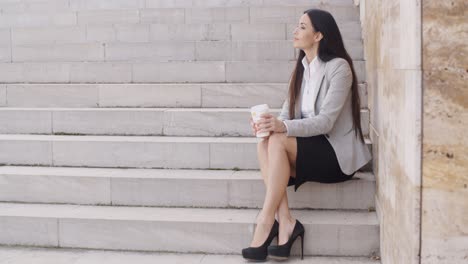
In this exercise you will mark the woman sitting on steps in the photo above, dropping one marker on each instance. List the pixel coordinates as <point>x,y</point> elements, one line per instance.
<point>317,136</point>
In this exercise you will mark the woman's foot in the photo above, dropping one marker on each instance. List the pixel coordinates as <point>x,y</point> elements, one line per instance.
<point>286,227</point>
<point>262,230</point>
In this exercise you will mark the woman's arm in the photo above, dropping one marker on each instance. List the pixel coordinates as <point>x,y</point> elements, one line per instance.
<point>284,115</point>
<point>340,85</point>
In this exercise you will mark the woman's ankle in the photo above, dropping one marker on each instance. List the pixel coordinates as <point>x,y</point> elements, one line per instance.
<point>286,219</point>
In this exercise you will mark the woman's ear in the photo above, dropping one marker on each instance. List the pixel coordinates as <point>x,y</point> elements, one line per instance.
<point>319,36</point>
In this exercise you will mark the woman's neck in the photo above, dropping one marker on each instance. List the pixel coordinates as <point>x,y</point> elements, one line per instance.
<point>310,54</point>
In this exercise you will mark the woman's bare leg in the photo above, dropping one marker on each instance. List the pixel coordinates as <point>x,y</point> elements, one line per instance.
<point>282,213</point>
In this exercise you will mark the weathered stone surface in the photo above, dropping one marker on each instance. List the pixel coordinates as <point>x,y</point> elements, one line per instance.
<point>391,31</point>
<point>445,158</point>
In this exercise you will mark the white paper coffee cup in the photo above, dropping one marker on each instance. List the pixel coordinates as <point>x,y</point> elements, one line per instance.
<point>256,112</point>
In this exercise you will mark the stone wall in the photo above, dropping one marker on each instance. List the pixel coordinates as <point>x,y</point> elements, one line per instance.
<point>392,47</point>
<point>445,120</point>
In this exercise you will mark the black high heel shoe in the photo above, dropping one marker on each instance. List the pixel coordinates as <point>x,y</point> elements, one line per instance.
<point>282,252</point>
<point>260,253</point>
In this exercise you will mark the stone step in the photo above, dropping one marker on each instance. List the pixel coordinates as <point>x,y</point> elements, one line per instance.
<point>28,255</point>
<point>79,5</point>
<point>87,15</point>
<point>210,122</point>
<point>149,95</point>
<point>131,151</point>
<point>153,72</point>
<point>142,33</point>
<point>180,188</point>
<point>164,51</point>
<point>189,230</point>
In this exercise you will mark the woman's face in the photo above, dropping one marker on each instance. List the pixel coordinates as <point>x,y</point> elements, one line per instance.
<point>305,36</point>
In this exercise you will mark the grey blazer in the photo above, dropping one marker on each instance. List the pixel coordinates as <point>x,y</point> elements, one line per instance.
<point>333,115</point>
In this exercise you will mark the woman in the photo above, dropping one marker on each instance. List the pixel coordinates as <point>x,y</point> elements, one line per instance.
<point>317,137</point>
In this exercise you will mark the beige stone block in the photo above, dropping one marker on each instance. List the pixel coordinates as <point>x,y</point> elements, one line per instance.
<point>169,3</point>
<point>149,95</point>
<point>150,235</point>
<point>162,16</point>
<point>369,241</point>
<point>130,152</point>
<point>213,50</point>
<point>194,191</point>
<point>445,217</point>
<point>258,31</point>
<point>273,15</point>
<point>306,2</point>
<point>5,54</point>
<point>230,3</point>
<point>262,50</point>
<point>28,231</point>
<point>207,122</point>
<point>52,95</point>
<point>103,121</point>
<point>5,45</point>
<point>3,95</point>
<point>22,121</point>
<point>216,15</point>
<point>233,155</point>
<point>410,31</point>
<point>48,35</point>
<point>132,33</point>
<point>91,72</point>
<point>20,150</point>
<point>5,37</point>
<point>36,189</point>
<point>444,34</point>
<point>243,94</point>
<point>79,5</point>
<point>108,17</point>
<point>161,51</point>
<point>62,52</point>
<point>14,20</point>
<point>34,72</point>
<point>100,33</point>
<point>47,255</point>
<point>190,32</point>
<point>179,72</point>
<point>36,6</point>
<point>271,71</point>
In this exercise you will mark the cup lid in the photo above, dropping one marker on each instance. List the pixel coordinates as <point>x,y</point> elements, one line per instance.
<point>260,106</point>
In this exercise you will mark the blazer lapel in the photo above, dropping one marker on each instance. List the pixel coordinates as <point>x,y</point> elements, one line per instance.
<point>318,84</point>
<point>297,107</point>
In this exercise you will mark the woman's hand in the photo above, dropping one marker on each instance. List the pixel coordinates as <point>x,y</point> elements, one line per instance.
<point>254,126</point>
<point>268,122</point>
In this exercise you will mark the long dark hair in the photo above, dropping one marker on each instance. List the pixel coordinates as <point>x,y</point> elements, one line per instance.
<point>330,47</point>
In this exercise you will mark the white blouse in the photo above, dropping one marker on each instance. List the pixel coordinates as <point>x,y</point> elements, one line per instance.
<point>308,85</point>
<point>309,80</point>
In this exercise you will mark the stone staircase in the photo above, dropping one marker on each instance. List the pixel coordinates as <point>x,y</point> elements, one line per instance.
<point>124,127</point>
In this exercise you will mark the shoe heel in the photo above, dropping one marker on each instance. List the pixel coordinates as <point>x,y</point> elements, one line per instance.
<point>302,246</point>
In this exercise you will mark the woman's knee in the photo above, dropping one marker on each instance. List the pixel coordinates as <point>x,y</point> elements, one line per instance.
<point>276,140</point>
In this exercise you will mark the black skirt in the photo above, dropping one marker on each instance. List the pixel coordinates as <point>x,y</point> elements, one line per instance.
<point>316,161</point>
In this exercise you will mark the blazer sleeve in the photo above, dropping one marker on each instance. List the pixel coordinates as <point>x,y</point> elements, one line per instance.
<point>284,115</point>
<point>340,85</point>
